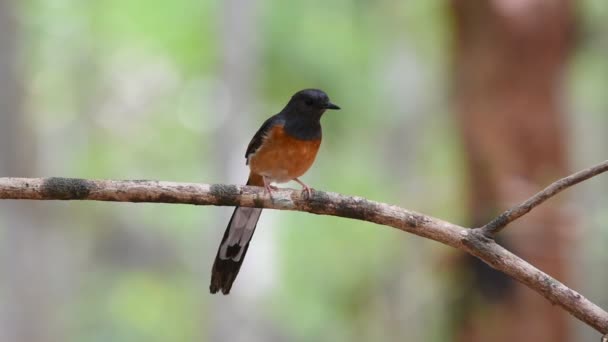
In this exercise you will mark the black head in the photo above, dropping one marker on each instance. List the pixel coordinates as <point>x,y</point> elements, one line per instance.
<point>313,102</point>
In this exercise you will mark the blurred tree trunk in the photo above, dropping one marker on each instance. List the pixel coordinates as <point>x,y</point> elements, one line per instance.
<point>28,311</point>
<point>510,59</point>
<point>239,31</point>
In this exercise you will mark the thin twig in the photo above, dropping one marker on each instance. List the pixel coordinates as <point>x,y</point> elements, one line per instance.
<point>325,203</point>
<point>500,222</point>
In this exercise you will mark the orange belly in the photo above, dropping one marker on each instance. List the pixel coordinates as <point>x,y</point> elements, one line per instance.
<point>282,158</point>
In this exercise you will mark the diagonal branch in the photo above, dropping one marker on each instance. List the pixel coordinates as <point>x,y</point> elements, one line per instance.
<point>472,241</point>
<point>500,222</point>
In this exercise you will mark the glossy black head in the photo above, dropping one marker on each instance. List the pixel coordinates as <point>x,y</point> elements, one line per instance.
<point>303,113</point>
<point>310,102</point>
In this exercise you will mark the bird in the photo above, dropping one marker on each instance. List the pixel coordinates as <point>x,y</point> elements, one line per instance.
<point>282,150</point>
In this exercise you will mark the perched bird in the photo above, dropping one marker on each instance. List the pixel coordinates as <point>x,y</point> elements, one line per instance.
<point>282,150</point>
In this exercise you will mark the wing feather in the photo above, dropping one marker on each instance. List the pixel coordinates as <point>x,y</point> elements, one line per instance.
<point>260,135</point>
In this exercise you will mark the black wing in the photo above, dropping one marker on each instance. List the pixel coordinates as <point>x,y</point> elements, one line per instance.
<point>260,135</point>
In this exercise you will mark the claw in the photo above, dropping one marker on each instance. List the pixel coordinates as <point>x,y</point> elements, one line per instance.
<point>305,188</point>
<point>269,187</point>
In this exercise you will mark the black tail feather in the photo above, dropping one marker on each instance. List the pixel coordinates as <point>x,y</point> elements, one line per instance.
<point>224,271</point>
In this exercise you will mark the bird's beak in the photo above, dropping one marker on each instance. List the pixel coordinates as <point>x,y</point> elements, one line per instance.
<point>330,105</point>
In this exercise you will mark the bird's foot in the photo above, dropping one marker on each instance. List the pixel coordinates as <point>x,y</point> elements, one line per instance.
<point>305,188</point>
<point>269,188</point>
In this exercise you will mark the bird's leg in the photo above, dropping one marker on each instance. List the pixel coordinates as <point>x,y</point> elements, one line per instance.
<point>304,187</point>
<point>267,185</point>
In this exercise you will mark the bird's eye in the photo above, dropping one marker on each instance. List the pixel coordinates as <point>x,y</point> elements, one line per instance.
<point>308,102</point>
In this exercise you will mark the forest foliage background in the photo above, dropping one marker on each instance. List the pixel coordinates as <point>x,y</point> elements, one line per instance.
<point>174,90</point>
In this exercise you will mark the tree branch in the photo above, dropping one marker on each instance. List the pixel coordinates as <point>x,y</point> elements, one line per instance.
<point>500,222</point>
<point>473,241</point>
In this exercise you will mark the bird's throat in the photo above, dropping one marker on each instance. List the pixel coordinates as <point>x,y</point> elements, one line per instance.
<point>304,128</point>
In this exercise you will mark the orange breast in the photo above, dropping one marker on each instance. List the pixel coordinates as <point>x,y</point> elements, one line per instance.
<point>283,158</point>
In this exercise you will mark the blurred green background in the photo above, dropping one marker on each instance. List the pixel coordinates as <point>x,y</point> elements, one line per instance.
<point>174,90</point>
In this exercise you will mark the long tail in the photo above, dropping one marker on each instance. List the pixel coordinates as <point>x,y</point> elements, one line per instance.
<point>235,243</point>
